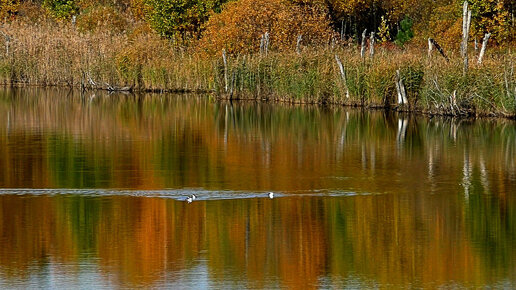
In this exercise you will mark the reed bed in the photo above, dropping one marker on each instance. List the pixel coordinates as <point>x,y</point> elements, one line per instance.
<point>433,85</point>
<point>61,55</point>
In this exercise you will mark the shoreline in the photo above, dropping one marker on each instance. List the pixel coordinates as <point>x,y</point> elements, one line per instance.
<point>411,79</point>
<point>272,101</point>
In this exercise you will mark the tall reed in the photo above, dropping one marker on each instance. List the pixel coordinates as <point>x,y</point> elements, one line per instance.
<point>53,54</point>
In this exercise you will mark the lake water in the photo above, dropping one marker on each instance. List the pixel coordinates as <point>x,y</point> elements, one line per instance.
<point>93,190</point>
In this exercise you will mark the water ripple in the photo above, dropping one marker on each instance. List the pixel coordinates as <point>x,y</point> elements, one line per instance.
<point>177,194</point>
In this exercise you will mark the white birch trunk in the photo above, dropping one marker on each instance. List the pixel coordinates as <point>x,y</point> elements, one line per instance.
<point>466,21</point>
<point>400,88</point>
<point>430,47</point>
<point>224,59</point>
<point>483,49</point>
<point>371,45</point>
<point>266,43</point>
<point>466,18</point>
<point>298,44</point>
<point>362,49</point>
<point>343,75</point>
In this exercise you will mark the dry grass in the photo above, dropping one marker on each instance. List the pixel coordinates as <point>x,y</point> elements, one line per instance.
<point>433,85</point>
<point>60,55</point>
<point>52,54</point>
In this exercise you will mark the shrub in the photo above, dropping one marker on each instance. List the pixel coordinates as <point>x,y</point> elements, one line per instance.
<point>405,32</point>
<point>383,31</point>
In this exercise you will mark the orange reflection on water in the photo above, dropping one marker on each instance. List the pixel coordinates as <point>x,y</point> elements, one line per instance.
<point>292,241</point>
<point>404,202</point>
<point>155,142</point>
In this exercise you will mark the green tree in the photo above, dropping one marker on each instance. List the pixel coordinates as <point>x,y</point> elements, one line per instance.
<point>180,18</point>
<point>61,8</point>
<point>405,32</point>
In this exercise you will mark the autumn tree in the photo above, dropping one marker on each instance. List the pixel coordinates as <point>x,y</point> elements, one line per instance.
<point>491,16</point>
<point>238,28</point>
<point>8,8</point>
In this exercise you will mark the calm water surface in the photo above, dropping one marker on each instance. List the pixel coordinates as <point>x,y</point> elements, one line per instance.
<point>93,191</point>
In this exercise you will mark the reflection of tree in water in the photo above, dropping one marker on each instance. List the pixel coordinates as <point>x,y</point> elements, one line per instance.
<point>176,141</point>
<point>418,226</point>
<point>81,218</point>
<point>393,239</point>
<point>75,165</point>
<point>491,226</point>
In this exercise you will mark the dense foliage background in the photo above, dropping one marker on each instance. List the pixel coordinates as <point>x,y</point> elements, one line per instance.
<point>238,24</point>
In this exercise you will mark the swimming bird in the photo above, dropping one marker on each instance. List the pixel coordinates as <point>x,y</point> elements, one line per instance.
<point>189,199</point>
<point>194,197</point>
<point>271,195</point>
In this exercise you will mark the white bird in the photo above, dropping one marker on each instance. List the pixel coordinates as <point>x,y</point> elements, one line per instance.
<point>194,197</point>
<point>189,199</point>
<point>271,195</point>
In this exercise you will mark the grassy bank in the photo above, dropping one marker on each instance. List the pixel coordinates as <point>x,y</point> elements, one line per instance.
<point>61,55</point>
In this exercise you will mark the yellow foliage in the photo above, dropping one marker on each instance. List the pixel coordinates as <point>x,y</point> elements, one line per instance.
<point>491,16</point>
<point>238,28</point>
<point>445,27</point>
<point>138,8</point>
<point>351,6</point>
<point>8,8</point>
<point>383,31</point>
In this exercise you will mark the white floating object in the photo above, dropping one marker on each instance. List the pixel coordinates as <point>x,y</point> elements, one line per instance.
<point>194,197</point>
<point>189,199</point>
<point>271,195</point>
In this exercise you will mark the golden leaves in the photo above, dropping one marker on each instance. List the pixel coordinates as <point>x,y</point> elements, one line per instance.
<point>239,27</point>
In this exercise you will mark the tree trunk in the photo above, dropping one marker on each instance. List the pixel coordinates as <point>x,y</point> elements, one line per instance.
<point>483,49</point>
<point>298,44</point>
<point>225,70</point>
<point>371,45</point>
<point>362,49</point>
<point>466,21</point>
<point>342,74</point>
